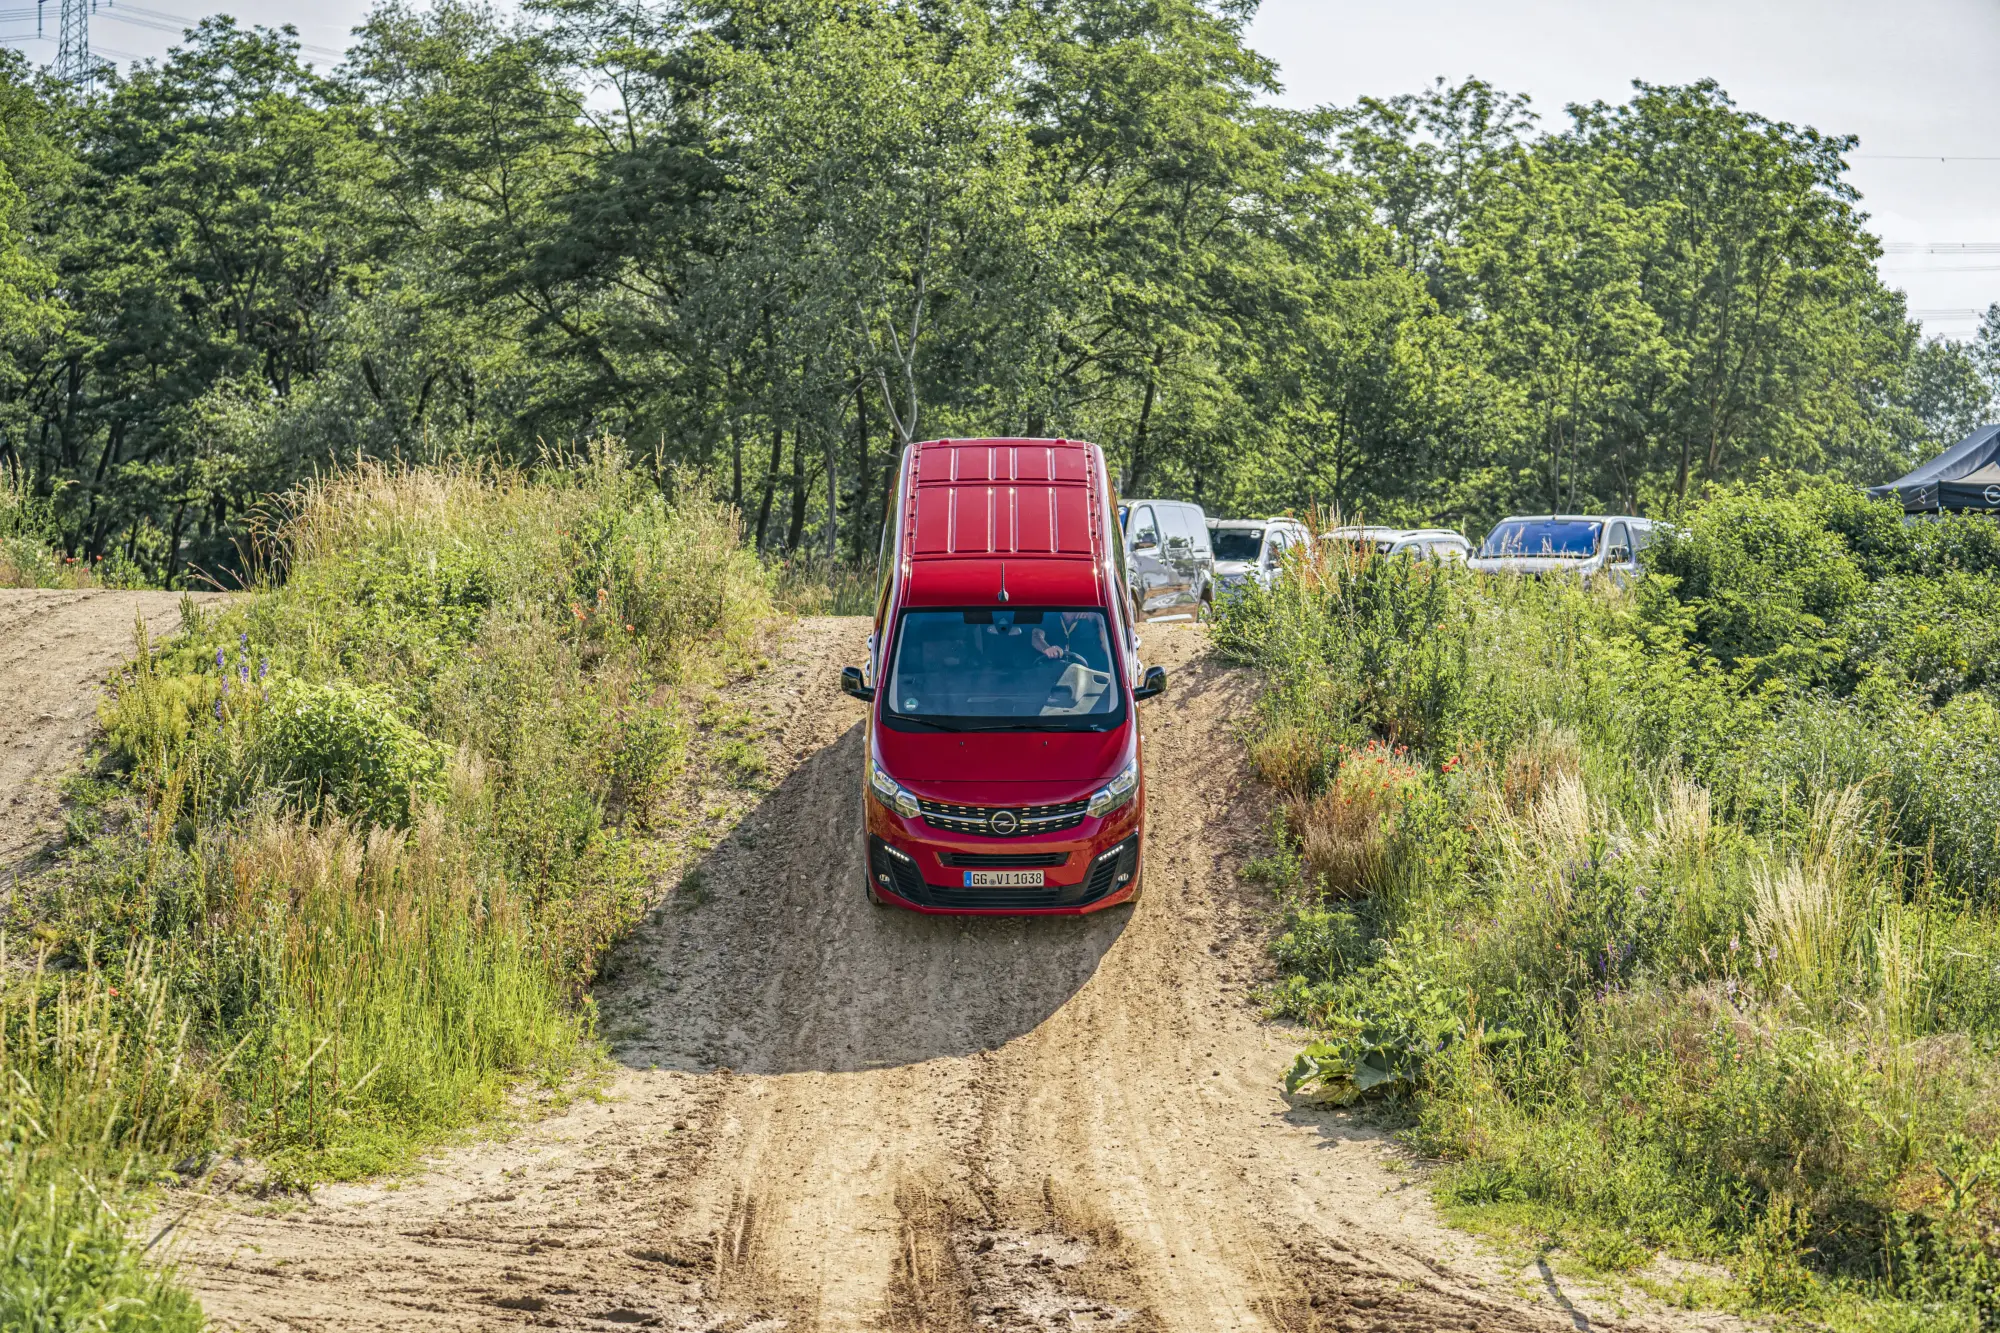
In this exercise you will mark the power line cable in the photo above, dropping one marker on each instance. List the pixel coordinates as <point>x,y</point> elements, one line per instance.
<point>164,21</point>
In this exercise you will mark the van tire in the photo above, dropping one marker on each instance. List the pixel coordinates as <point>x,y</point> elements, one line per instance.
<point>1204,610</point>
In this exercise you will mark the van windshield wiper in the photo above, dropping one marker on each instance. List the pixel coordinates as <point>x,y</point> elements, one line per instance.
<point>906,719</point>
<point>1037,725</point>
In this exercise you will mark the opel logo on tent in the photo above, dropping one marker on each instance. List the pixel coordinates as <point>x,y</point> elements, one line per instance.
<point>1003,822</point>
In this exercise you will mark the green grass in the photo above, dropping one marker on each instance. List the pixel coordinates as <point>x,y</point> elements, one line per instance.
<point>360,842</point>
<point>812,585</point>
<point>1674,930</point>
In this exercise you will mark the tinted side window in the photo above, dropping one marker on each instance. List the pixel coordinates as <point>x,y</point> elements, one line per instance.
<point>1144,527</point>
<point>1174,527</point>
<point>1619,536</point>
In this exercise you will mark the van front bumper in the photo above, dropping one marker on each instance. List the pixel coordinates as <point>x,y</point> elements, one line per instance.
<point>1088,869</point>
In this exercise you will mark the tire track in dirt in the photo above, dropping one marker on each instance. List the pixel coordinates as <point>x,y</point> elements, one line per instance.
<point>830,1116</point>
<point>57,648</point>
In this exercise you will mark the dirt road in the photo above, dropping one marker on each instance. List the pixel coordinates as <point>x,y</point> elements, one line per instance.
<point>830,1116</point>
<point>56,649</point>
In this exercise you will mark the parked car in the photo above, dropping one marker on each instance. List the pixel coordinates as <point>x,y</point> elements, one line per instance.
<point>1421,543</point>
<point>1583,544</point>
<point>1168,561</point>
<point>1003,770</point>
<point>1252,550</point>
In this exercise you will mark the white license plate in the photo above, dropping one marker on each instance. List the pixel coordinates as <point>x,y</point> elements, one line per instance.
<point>1003,879</point>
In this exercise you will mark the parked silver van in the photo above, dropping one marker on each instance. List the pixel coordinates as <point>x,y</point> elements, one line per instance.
<point>1168,561</point>
<point>1581,544</point>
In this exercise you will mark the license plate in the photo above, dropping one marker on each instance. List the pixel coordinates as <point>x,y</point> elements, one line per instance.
<point>1003,879</point>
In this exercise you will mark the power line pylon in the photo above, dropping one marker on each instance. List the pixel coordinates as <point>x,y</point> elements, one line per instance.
<point>73,62</point>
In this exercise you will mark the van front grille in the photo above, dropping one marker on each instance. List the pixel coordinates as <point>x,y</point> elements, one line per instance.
<point>1002,860</point>
<point>1028,819</point>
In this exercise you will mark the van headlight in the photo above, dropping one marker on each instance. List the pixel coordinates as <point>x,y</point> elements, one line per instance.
<point>1117,791</point>
<point>891,794</point>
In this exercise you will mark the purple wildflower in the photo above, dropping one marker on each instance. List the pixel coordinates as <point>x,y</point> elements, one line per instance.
<point>243,673</point>
<point>221,659</point>
<point>218,707</point>
<point>263,667</point>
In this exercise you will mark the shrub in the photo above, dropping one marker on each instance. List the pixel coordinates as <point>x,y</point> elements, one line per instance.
<point>368,834</point>
<point>1676,926</point>
<point>343,745</point>
<point>1343,832</point>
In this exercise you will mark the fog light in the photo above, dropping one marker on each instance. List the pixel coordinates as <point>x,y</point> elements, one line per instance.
<point>883,879</point>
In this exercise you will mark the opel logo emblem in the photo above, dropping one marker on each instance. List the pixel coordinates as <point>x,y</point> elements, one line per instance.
<point>1993,495</point>
<point>1003,822</point>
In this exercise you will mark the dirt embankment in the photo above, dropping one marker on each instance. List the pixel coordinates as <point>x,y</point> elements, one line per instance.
<point>830,1116</point>
<point>56,650</point>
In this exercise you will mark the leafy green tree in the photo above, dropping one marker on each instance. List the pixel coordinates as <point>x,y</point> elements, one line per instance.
<point>1946,393</point>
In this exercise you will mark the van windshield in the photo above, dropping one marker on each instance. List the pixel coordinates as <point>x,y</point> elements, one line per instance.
<point>1243,544</point>
<point>1575,539</point>
<point>1004,670</point>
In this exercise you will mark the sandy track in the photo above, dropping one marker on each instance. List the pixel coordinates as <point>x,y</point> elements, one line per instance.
<point>834,1117</point>
<point>56,650</point>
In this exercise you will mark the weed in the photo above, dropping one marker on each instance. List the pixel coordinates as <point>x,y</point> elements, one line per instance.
<point>366,837</point>
<point>1673,925</point>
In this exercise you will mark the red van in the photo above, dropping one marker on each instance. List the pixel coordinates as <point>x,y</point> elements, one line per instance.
<point>1003,769</point>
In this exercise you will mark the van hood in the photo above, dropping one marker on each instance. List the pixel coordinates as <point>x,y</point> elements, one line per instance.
<point>1530,564</point>
<point>1008,767</point>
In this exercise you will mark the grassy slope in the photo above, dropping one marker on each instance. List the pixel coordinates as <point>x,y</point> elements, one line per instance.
<point>1667,919</point>
<point>363,842</point>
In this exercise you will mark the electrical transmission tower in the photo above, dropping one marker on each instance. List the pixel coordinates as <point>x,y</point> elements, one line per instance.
<point>73,62</point>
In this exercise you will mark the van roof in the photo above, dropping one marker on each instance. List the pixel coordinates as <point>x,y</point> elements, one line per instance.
<point>1022,510</point>
<point>1575,518</point>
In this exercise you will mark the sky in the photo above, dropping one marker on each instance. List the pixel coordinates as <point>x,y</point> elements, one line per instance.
<point>1917,80</point>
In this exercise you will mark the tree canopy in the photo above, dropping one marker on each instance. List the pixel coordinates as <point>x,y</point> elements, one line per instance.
<point>775,239</point>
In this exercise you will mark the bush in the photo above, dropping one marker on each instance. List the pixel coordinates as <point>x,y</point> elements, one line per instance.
<point>342,745</point>
<point>366,837</point>
<point>1676,922</point>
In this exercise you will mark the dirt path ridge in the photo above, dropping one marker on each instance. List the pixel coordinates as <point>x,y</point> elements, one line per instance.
<point>56,651</point>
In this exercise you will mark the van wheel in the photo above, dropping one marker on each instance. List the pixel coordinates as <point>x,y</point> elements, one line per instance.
<point>1204,610</point>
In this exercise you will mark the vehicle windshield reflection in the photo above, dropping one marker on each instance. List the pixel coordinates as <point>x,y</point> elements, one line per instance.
<point>1570,539</point>
<point>1049,669</point>
<point>1237,543</point>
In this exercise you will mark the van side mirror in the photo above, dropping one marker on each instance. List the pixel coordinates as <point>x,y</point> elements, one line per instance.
<point>1154,683</point>
<point>1146,542</point>
<point>1618,555</point>
<point>852,682</point>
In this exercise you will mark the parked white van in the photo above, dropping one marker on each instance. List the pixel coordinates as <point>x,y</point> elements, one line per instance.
<point>1252,550</point>
<point>1582,544</point>
<point>1418,543</point>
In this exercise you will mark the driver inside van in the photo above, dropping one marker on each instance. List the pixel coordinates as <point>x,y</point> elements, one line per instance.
<point>1067,624</point>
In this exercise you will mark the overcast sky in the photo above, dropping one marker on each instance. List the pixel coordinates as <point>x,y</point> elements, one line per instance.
<point>1915,79</point>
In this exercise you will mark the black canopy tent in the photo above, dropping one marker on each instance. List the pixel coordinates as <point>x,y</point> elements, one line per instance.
<point>1965,476</point>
